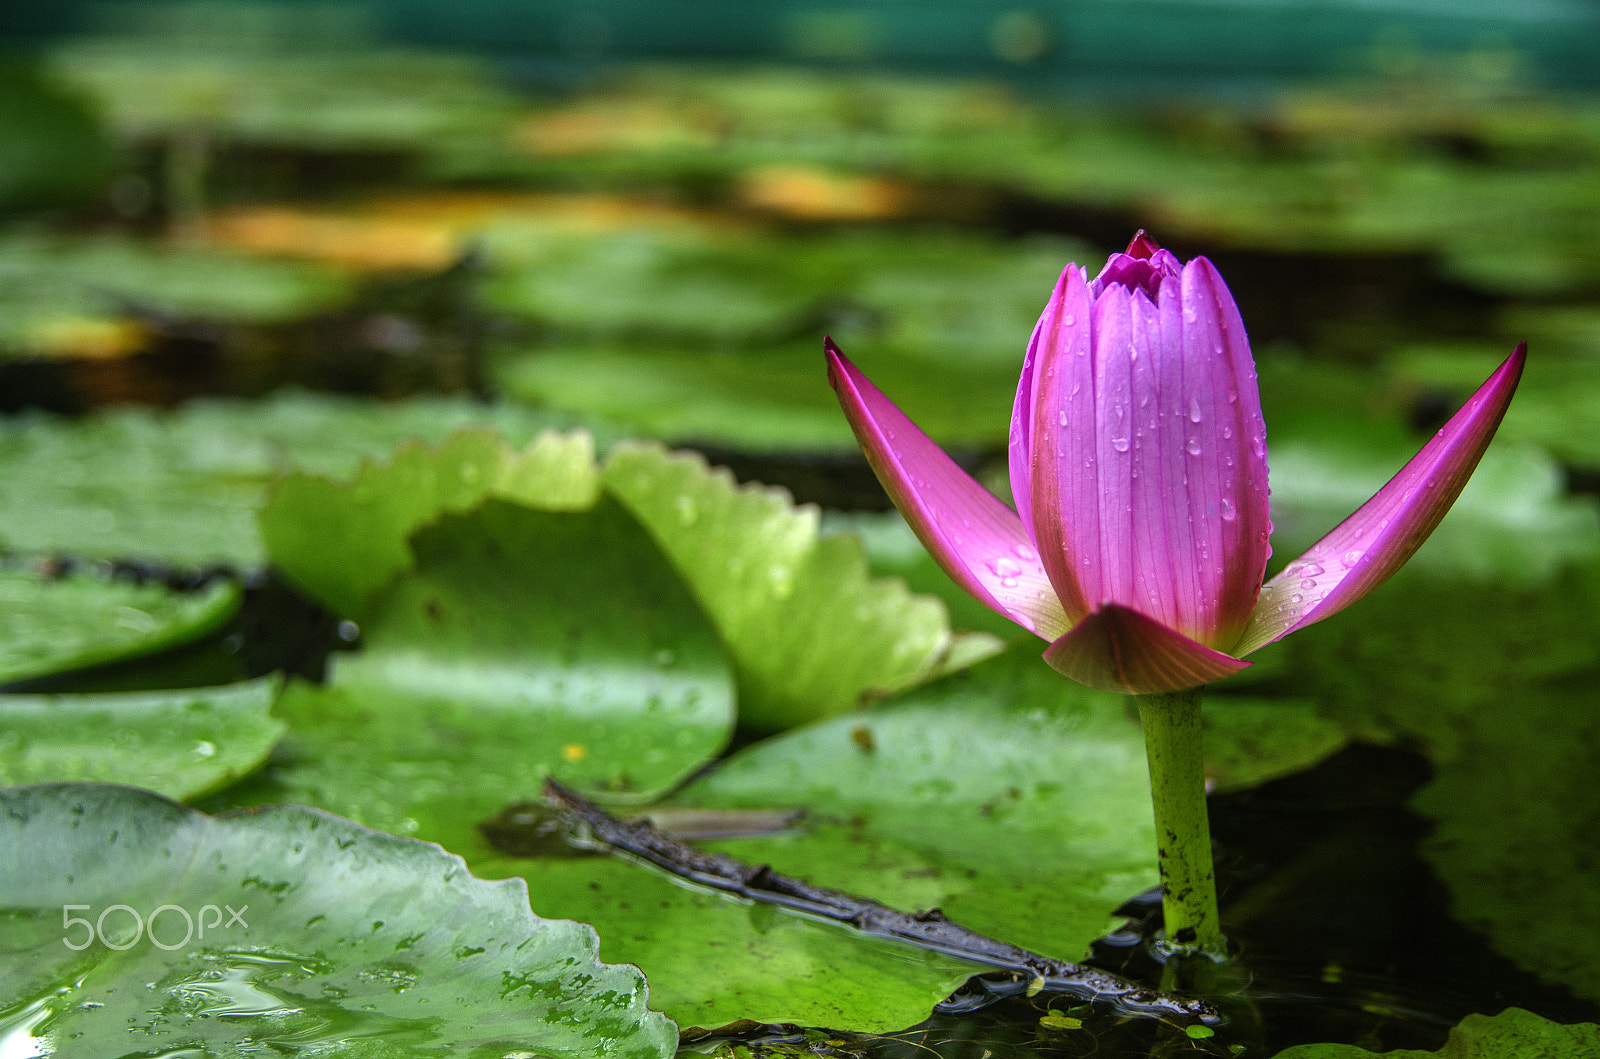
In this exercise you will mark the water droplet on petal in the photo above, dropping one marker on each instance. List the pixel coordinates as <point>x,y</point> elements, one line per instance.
<point>1233,396</point>
<point>1120,444</point>
<point>1026,553</point>
<point>1312,570</point>
<point>1229,512</point>
<point>1350,559</point>
<point>1061,417</point>
<point>1308,583</point>
<point>1194,410</point>
<point>1008,582</point>
<point>1297,598</point>
<point>1227,432</point>
<point>1193,446</point>
<point>1006,569</point>
<point>1069,320</point>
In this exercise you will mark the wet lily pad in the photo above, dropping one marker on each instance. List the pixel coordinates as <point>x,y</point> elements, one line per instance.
<point>811,633</point>
<point>1015,801</point>
<point>184,487</point>
<point>711,960</point>
<point>341,540</point>
<point>523,643</point>
<point>346,941</point>
<point>181,743</point>
<point>56,624</point>
<point>1512,1034</point>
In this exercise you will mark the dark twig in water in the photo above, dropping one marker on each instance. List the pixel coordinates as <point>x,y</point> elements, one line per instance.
<point>927,930</point>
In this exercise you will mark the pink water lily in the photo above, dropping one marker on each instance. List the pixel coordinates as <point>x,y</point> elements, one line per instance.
<point>1139,472</point>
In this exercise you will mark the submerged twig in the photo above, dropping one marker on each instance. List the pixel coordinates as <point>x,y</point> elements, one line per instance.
<point>928,930</point>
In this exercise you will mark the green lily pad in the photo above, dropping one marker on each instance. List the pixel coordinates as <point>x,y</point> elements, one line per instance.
<point>1512,1034</point>
<point>810,632</point>
<point>777,399</point>
<point>1014,800</point>
<point>185,487</point>
<point>341,541</point>
<point>1514,810</point>
<point>1025,798</point>
<point>712,960</point>
<point>47,280</point>
<point>56,624</point>
<point>346,942</point>
<point>1513,521</point>
<point>658,285</point>
<point>523,643</point>
<point>1250,741</point>
<point>181,743</point>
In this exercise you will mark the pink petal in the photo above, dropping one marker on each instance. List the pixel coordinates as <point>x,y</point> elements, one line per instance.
<point>1150,474</point>
<point>1366,548</point>
<point>1121,650</point>
<point>1227,481</point>
<point>1020,454</point>
<point>1064,501</point>
<point>973,536</point>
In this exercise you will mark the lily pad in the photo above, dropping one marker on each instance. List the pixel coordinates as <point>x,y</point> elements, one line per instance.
<point>1014,800</point>
<point>712,960</point>
<point>56,624</point>
<point>776,399</point>
<point>523,643</point>
<point>185,487</point>
<point>51,281</point>
<point>340,541</point>
<point>811,633</point>
<point>1514,810</point>
<point>181,743</point>
<point>1512,1034</point>
<point>346,942</point>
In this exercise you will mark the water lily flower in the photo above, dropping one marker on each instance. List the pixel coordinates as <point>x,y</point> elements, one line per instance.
<point>1139,471</point>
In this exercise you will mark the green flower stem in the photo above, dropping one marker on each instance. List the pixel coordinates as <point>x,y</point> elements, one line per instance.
<point>1171,724</point>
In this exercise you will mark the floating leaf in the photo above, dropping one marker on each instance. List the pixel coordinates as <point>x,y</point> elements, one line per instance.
<point>340,541</point>
<point>56,624</point>
<point>181,743</point>
<point>712,961</point>
<point>1512,1034</point>
<point>772,400</point>
<point>1025,798</point>
<point>1515,809</point>
<point>346,942</point>
<point>1249,741</point>
<point>48,281</point>
<point>1014,800</point>
<point>184,487</point>
<point>810,632</point>
<point>523,643</point>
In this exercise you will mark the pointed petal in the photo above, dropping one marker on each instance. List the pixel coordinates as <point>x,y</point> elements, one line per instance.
<point>973,536</point>
<point>1366,548</point>
<point>1065,458</point>
<point>1117,649</point>
<point>1020,454</point>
